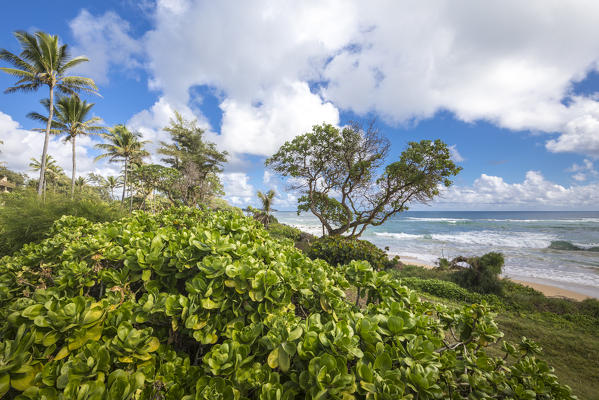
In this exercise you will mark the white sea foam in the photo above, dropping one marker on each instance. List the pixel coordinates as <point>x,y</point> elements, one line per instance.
<point>484,238</point>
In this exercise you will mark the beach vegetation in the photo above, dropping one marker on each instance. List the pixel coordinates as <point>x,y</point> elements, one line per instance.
<point>43,61</point>
<point>71,119</point>
<point>197,304</point>
<point>343,180</point>
<point>24,218</point>
<point>195,162</point>
<point>338,250</point>
<point>265,213</point>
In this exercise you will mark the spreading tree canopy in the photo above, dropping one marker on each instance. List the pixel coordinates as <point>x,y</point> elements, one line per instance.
<point>196,161</point>
<point>341,177</point>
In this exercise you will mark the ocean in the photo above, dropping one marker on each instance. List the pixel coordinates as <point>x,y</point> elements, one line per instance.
<point>548,247</point>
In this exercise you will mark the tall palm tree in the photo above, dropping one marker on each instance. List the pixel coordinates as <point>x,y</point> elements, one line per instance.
<point>70,118</point>
<point>123,145</point>
<point>267,199</point>
<point>43,62</point>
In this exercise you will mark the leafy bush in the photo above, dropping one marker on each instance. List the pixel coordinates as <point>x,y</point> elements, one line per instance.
<point>193,304</point>
<point>447,290</point>
<point>25,218</point>
<point>483,272</point>
<point>337,250</point>
<point>280,231</point>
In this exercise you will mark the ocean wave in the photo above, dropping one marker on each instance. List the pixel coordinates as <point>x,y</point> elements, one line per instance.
<point>448,220</point>
<point>568,246</point>
<point>484,238</point>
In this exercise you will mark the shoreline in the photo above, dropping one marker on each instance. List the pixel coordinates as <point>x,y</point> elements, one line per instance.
<point>546,289</point>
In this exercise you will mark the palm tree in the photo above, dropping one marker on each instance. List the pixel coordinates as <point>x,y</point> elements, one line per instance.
<point>70,118</point>
<point>43,62</point>
<point>81,182</point>
<point>111,183</point>
<point>54,171</point>
<point>124,146</point>
<point>267,200</point>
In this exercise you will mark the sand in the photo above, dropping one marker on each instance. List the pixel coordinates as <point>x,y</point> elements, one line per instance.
<point>553,291</point>
<point>547,290</point>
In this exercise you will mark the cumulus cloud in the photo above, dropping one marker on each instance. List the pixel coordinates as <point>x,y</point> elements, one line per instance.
<point>535,191</point>
<point>507,62</point>
<point>107,42</point>
<point>284,113</point>
<point>20,145</point>
<point>582,171</point>
<point>238,189</point>
<point>151,123</point>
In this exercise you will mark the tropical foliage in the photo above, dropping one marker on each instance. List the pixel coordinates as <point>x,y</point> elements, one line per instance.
<point>70,118</point>
<point>335,170</point>
<point>123,146</point>
<point>341,251</point>
<point>44,62</point>
<point>265,213</point>
<point>195,161</point>
<point>193,304</point>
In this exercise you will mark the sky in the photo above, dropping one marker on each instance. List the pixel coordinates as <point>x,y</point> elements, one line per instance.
<point>512,87</point>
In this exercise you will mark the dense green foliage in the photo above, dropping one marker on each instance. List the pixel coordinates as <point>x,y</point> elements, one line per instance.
<point>280,231</point>
<point>194,304</point>
<point>482,273</point>
<point>342,179</point>
<point>338,250</point>
<point>26,218</point>
<point>514,297</point>
<point>195,161</point>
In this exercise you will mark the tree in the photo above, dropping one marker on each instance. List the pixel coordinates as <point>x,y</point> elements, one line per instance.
<point>70,116</point>
<point>53,171</point>
<point>124,146</point>
<point>197,161</point>
<point>111,183</point>
<point>43,62</point>
<point>267,200</point>
<point>335,172</point>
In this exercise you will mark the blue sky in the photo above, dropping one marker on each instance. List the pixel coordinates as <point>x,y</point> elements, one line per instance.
<point>513,88</point>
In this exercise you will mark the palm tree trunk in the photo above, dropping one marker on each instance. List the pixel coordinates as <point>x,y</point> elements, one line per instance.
<point>40,185</point>
<point>74,167</point>
<point>130,198</point>
<point>124,184</point>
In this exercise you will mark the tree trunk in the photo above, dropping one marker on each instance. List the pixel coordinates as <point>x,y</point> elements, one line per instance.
<point>124,184</point>
<point>130,198</point>
<point>40,185</point>
<point>74,168</point>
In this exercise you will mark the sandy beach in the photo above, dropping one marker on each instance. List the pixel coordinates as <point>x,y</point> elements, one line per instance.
<point>547,290</point>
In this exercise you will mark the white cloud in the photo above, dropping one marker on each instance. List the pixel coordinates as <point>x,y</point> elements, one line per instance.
<point>20,145</point>
<point>534,192</point>
<point>582,171</point>
<point>151,123</point>
<point>238,190</point>
<point>508,62</point>
<point>107,42</point>
<point>455,154</point>
<point>284,113</point>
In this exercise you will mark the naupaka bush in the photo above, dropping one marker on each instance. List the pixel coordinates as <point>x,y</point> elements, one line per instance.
<point>195,304</point>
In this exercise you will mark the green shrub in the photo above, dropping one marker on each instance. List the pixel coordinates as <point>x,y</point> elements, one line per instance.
<point>337,250</point>
<point>280,231</point>
<point>482,275</point>
<point>448,290</point>
<point>25,218</point>
<point>193,304</point>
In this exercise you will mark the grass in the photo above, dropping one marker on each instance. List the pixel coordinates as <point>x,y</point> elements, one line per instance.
<point>567,330</point>
<point>572,352</point>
